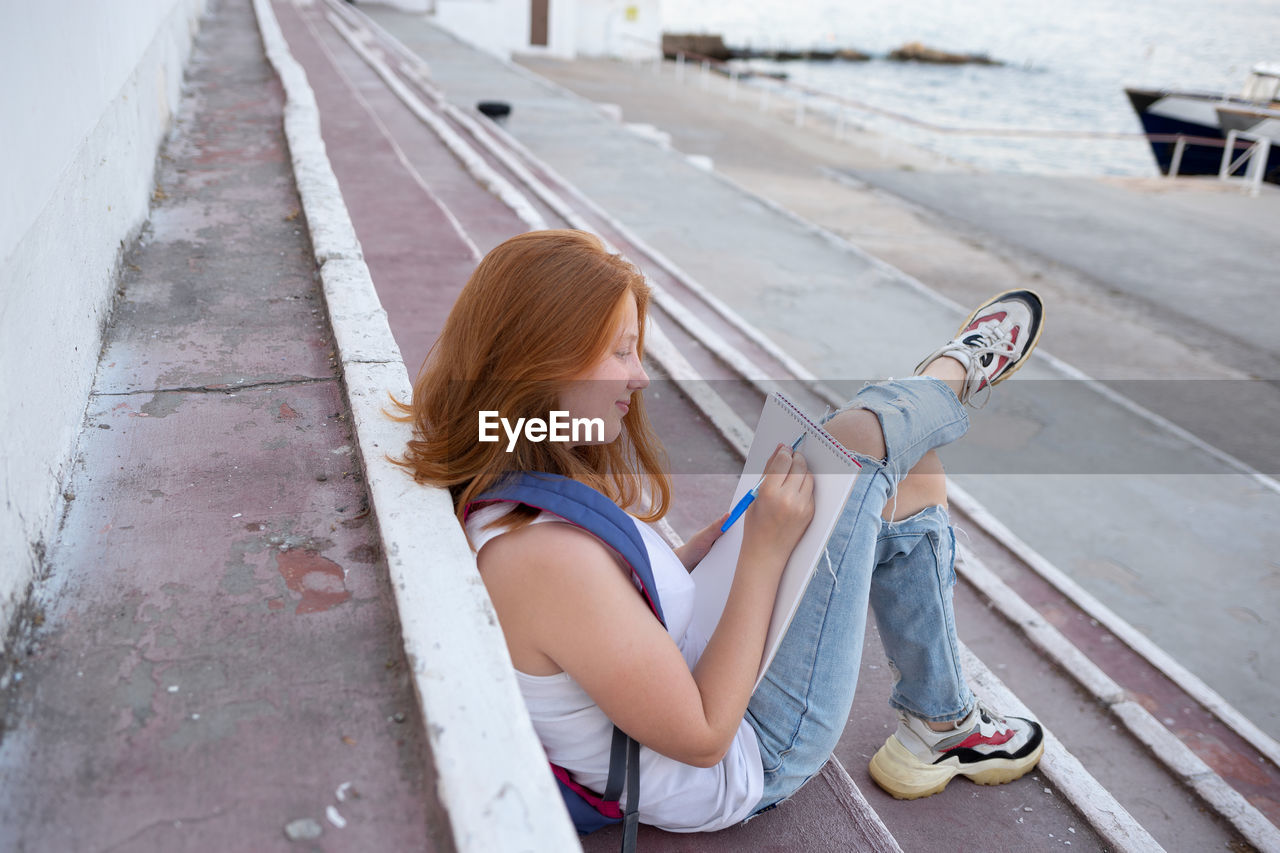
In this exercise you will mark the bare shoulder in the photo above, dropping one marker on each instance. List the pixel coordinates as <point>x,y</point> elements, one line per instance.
<point>545,555</point>
<point>546,543</point>
<point>544,580</point>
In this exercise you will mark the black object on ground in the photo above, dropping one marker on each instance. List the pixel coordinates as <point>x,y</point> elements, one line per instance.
<point>496,110</point>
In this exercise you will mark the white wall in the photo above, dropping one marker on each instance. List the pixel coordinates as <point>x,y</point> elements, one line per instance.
<point>408,5</point>
<point>497,26</point>
<point>89,89</point>
<point>576,27</point>
<point>627,29</point>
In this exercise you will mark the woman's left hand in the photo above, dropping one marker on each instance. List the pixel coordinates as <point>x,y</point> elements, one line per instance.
<point>692,552</point>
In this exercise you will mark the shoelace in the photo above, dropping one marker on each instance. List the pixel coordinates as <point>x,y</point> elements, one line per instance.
<point>994,338</point>
<point>989,722</point>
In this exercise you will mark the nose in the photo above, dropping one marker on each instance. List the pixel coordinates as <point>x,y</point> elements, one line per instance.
<point>639,379</point>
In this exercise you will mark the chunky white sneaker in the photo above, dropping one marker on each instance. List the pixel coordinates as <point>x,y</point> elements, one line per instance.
<point>917,762</point>
<point>995,341</point>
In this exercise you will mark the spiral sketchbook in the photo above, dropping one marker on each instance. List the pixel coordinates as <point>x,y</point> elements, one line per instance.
<point>835,471</point>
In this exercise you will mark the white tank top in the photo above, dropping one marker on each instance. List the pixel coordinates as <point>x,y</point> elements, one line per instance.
<point>576,734</point>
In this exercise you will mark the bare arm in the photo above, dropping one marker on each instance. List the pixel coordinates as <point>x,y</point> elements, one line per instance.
<point>565,605</point>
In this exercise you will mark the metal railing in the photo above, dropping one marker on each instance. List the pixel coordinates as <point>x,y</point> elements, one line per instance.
<point>1256,152</point>
<point>1254,159</point>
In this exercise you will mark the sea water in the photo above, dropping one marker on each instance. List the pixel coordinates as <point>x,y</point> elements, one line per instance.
<point>1065,69</point>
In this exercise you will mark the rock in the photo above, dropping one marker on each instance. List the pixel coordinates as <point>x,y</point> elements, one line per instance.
<point>917,52</point>
<point>694,46</point>
<point>304,829</point>
<point>849,54</point>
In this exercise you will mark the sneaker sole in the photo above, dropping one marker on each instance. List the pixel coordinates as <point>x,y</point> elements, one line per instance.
<point>905,777</point>
<point>1035,338</point>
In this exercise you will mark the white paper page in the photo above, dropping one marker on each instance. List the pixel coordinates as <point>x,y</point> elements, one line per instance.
<point>834,475</point>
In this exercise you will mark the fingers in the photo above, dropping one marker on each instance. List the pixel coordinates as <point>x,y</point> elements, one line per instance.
<point>787,470</point>
<point>784,503</point>
<point>779,462</point>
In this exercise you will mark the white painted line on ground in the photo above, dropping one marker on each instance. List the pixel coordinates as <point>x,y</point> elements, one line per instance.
<point>1166,747</point>
<point>475,165</point>
<point>1106,815</point>
<point>1066,369</point>
<point>358,319</point>
<point>359,98</point>
<point>1048,639</point>
<point>870,827</point>
<point>727,313</point>
<point>331,233</point>
<point>1130,636</point>
<point>1110,819</point>
<point>690,322</point>
<point>1211,788</point>
<point>492,777</point>
<point>415,65</point>
<point>697,389</point>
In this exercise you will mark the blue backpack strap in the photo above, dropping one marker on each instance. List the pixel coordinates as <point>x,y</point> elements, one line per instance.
<point>583,506</point>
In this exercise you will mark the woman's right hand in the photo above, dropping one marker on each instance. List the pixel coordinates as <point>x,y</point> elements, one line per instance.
<point>783,507</point>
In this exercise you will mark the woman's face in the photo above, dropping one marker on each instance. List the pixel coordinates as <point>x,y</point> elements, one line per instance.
<point>604,390</point>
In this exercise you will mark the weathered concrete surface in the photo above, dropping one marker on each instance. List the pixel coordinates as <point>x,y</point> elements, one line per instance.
<point>418,275</point>
<point>81,133</point>
<point>1140,540</point>
<point>216,652</point>
<point>416,257</point>
<point>1200,255</point>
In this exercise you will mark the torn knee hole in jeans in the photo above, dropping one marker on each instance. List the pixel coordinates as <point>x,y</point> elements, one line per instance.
<point>893,669</point>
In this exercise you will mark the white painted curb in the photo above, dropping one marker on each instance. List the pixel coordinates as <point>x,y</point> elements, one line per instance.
<point>1164,746</point>
<point>492,779</point>
<point>1107,817</point>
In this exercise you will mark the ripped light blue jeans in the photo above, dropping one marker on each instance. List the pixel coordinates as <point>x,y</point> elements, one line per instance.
<point>903,569</point>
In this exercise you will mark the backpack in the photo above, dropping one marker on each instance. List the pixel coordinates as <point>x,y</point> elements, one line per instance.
<point>584,507</point>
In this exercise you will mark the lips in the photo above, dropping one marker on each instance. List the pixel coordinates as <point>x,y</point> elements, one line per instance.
<point>623,405</point>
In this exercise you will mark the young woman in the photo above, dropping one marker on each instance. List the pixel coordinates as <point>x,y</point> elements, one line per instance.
<point>551,321</point>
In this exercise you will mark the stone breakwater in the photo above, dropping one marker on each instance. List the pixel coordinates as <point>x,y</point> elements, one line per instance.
<point>704,46</point>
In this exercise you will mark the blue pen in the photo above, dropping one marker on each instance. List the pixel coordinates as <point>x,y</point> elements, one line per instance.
<point>750,496</point>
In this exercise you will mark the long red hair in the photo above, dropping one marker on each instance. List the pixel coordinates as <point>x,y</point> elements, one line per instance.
<point>539,310</point>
